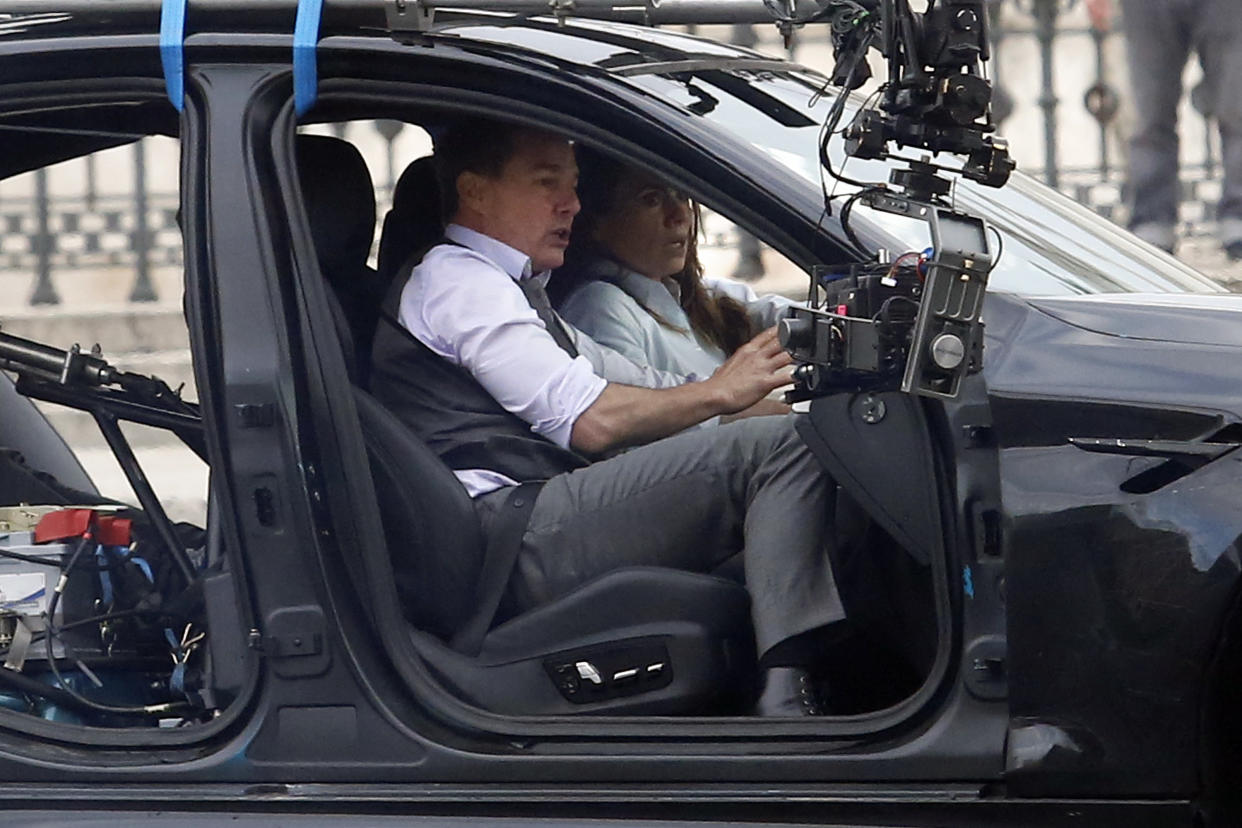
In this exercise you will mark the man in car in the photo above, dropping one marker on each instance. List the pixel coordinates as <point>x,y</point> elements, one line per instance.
<point>504,392</point>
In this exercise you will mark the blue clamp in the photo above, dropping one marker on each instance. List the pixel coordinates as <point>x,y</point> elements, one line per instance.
<point>305,67</point>
<point>172,56</point>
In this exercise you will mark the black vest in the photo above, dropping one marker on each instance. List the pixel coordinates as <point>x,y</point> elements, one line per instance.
<point>448,409</point>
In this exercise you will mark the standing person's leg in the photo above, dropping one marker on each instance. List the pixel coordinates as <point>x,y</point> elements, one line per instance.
<point>744,35</point>
<point>1219,43</point>
<point>690,502</point>
<point>1158,38</point>
<point>749,266</point>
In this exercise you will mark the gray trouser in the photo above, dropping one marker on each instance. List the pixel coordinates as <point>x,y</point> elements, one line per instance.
<point>690,502</point>
<point>1160,34</point>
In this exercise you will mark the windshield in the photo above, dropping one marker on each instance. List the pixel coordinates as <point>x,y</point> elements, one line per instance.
<point>1051,245</point>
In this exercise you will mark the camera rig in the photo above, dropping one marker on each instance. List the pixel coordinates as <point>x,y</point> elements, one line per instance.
<point>936,97</point>
<point>914,323</point>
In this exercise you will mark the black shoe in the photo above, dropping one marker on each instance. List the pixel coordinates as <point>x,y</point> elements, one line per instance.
<point>787,691</point>
<point>1233,250</point>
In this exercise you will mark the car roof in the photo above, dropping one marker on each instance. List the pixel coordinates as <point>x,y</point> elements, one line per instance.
<point>620,47</point>
<point>55,19</point>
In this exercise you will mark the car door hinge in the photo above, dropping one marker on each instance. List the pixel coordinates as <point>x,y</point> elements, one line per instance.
<point>296,641</point>
<point>288,645</point>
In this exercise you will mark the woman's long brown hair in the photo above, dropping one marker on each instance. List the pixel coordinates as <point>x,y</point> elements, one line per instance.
<point>721,320</point>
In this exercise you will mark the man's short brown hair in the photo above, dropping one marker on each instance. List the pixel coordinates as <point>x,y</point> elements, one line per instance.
<point>478,145</point>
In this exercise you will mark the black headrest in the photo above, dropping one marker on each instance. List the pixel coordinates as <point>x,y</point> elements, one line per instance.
<point>414,222</point>
<point>340,201</point>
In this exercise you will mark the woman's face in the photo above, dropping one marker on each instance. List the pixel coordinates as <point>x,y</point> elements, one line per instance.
<point>648,227</point>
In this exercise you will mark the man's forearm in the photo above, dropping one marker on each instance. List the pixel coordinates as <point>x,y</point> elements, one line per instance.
<point>624,415</point>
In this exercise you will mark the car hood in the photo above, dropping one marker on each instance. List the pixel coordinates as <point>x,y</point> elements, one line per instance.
<point>1197,319</point>
<point>1177,350</point>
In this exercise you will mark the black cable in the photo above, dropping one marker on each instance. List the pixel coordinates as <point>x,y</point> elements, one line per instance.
<point>18,556</point>
<point>100,619</point>
<point>829,129</point>
<point>113,616</point>
<point>1000,248</point>
<point>52,633</point>
<point>846,210</point>
<point>26,684</point>
<point>882,315</point>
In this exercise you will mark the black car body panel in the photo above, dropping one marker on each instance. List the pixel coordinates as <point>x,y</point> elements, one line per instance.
<point>1087,587</point>
<point>1115,561</point>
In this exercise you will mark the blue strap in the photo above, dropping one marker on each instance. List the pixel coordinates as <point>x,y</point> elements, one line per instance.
<point>172,34</point>
<point>305,68</point>
<point>176,679</point>
<point>105,577</point>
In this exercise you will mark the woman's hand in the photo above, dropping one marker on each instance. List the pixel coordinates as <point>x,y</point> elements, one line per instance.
<point>755,370</point>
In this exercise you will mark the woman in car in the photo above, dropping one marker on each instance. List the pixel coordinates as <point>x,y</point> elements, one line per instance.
<point>633,281</point>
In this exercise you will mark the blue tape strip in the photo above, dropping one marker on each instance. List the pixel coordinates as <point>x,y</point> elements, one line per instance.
<point>305,67</point>
<point>172,35</point>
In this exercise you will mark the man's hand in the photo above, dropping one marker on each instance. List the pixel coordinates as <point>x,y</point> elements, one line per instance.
<point>626,416</point>
<point>755,370</point>
<point>1101,14</point>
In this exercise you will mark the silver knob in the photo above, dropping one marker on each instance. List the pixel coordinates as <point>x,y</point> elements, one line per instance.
<point>947,351</point>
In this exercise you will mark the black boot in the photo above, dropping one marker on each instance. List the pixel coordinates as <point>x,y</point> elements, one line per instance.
<point>787,691</point>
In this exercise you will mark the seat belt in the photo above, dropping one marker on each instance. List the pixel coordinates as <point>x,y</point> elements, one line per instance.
<point>503,542</point>
<point>537,298</point>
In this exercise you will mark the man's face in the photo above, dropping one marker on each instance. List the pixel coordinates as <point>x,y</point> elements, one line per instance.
<point>532,203</point>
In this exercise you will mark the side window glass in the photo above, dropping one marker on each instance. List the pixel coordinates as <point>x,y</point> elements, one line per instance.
<point>729,251</point>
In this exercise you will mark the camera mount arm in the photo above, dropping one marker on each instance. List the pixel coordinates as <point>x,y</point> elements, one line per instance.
<point>936,97</point>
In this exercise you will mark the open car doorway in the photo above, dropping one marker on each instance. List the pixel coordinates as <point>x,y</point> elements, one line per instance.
<point>120,622</point>
<point>636,643</point>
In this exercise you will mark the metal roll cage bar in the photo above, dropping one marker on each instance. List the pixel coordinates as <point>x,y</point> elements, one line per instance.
<point>419,15</point>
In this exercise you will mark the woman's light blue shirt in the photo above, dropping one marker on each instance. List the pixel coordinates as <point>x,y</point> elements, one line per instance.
<point>606,307</point>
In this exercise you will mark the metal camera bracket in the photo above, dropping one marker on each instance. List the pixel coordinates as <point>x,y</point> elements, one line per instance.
<point>949,327</point>
<point>924,352</point>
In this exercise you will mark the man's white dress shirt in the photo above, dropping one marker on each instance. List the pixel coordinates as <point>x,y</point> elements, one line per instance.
<point>463,302</point>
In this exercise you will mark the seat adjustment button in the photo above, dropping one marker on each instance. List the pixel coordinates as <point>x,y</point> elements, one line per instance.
<point>587,672</point>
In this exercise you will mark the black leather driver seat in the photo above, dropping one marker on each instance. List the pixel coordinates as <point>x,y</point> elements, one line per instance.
<point>638,640</point>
